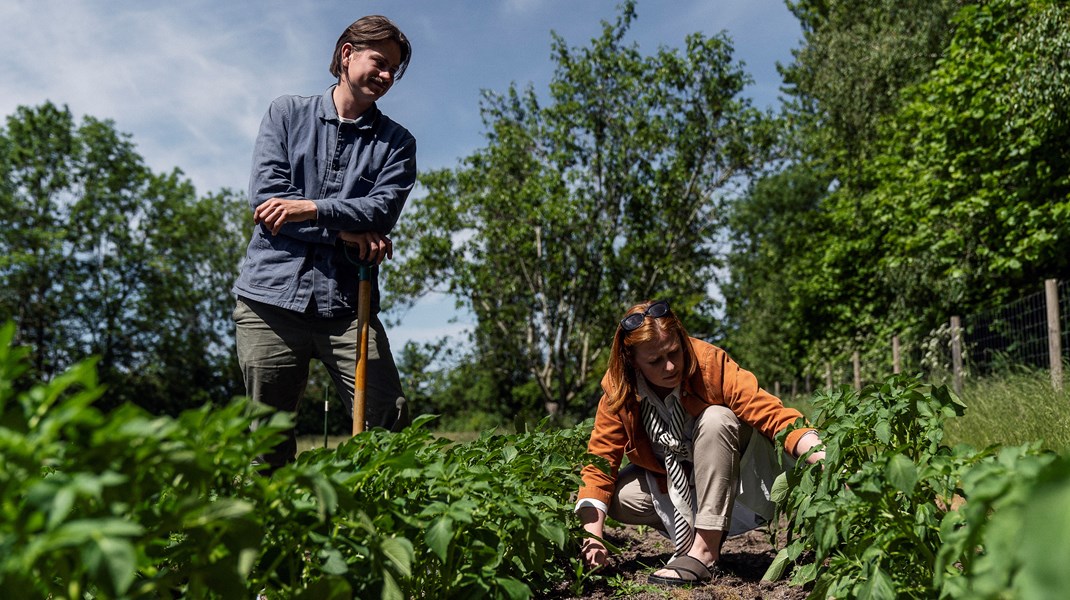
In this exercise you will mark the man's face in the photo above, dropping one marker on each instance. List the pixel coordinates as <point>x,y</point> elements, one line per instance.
<point>370,71</point>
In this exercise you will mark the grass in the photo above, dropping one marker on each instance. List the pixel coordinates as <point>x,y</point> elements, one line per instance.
<point>1013,409</point>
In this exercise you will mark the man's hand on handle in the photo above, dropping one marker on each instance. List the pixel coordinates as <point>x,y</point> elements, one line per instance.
<point>371,247</point>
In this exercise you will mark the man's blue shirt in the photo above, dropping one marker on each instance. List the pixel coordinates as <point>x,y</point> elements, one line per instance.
<point>359,173</point>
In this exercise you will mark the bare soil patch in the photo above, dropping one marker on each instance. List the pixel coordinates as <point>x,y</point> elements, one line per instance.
<point>744,559</point>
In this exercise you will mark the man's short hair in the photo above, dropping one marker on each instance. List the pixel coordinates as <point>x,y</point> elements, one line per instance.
<point>366,31</point>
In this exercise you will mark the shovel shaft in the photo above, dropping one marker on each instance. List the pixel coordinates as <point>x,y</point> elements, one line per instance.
<point>361,376</point>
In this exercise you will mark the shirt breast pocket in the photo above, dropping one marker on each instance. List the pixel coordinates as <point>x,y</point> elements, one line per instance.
<point>362,186</point>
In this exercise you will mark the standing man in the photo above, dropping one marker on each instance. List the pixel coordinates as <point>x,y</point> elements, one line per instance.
<point>330,176</point>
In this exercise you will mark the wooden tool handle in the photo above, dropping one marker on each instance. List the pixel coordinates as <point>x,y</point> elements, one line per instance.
<point>364,300</point>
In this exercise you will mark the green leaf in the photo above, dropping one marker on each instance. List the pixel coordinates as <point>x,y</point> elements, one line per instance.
<point>120,561</point>
<point>902,473</point>
<point>399,552</point>
<point>554,533</point>
<point>515,589</point>
<point>883,431</point>
<point>777,567</point>
<point>326,588</point>
<point>508,454</point>
<point>391,589</point>
<point>222,509</point>
<point>439,536</point>
<point>778,493</point>
<point>335,563</point>
<point>77,532</point>
<point>878,587</point>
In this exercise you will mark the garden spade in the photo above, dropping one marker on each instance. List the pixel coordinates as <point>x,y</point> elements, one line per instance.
<point>364,301</point>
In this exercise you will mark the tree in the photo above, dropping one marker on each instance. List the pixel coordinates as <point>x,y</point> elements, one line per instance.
<point>100,256</point>
<point>960,200</point>
<point>775,241</point>
<point>856,57</point>
<point>606,195</point>
<point>819,282</point>
<point>969,182</point>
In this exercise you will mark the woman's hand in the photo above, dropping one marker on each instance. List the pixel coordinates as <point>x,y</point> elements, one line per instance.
<point>805,443</point>
<point>594,553</point>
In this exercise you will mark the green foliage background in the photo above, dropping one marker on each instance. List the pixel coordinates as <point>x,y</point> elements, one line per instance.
<point>101,257</point>
<point>928,179</point>
<point>917,169</point>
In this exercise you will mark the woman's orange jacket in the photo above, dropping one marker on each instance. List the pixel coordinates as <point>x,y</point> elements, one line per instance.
<point>718,380</point>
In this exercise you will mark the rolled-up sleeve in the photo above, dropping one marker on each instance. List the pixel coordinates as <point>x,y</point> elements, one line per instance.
<point>608,440</point>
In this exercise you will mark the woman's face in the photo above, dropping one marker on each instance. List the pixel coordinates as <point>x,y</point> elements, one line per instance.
<point>660,361</point>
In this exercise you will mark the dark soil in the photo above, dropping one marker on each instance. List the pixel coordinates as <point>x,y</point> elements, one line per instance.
<point>744,560</point>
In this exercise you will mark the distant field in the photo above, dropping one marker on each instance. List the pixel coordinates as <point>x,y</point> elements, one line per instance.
<point>308,442</point>
<point>1008,410</point>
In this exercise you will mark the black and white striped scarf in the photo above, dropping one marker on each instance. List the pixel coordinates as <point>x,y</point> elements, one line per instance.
<point>671,436</point>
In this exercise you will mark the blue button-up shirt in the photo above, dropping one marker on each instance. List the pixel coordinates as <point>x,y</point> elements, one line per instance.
<point>358,173</point>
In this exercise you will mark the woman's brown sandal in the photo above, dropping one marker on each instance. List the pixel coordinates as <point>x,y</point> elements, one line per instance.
<point>689,571</point>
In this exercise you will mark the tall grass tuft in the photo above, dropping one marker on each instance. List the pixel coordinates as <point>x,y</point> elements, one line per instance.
<point>1013,408</point>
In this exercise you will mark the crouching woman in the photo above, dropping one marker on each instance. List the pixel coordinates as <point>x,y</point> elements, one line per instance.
<point>697,431</point>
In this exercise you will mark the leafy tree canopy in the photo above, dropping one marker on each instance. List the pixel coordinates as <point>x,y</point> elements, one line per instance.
<point>100,256</point>
<point>949,195</point>
<point>602,195</point>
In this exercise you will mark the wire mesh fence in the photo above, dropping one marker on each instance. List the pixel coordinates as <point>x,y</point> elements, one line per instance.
<point>1012,336</point>
<point>1020,335</point>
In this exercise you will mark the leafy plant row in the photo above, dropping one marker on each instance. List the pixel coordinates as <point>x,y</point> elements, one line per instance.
<point>130,505</point>
<point>892,512</point>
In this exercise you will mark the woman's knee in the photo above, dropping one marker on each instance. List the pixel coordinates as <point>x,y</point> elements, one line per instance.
<point>716,418</point>
<point>718,425</point>
<point>632,502</point>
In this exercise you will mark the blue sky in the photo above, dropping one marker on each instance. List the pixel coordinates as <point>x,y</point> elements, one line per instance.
<point>190,80</point>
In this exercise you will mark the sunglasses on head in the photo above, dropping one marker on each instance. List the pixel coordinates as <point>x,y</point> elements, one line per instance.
<point>654,311</point>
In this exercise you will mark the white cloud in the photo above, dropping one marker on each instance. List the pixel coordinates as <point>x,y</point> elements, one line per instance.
<point>190,88</point>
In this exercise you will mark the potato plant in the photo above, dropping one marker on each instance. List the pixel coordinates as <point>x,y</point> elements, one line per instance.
<point>130,505</point>
<point>892,512</point>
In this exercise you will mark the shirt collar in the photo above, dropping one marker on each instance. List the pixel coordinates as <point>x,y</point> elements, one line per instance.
<point>644,391</point>
<point>328,112</point>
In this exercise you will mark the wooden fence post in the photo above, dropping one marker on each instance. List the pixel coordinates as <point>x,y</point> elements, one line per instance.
<point>895,355</point>
<point>1055,346</point>
<point>828,375</point>
<point>956,353</point>
<point>856,359</point>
